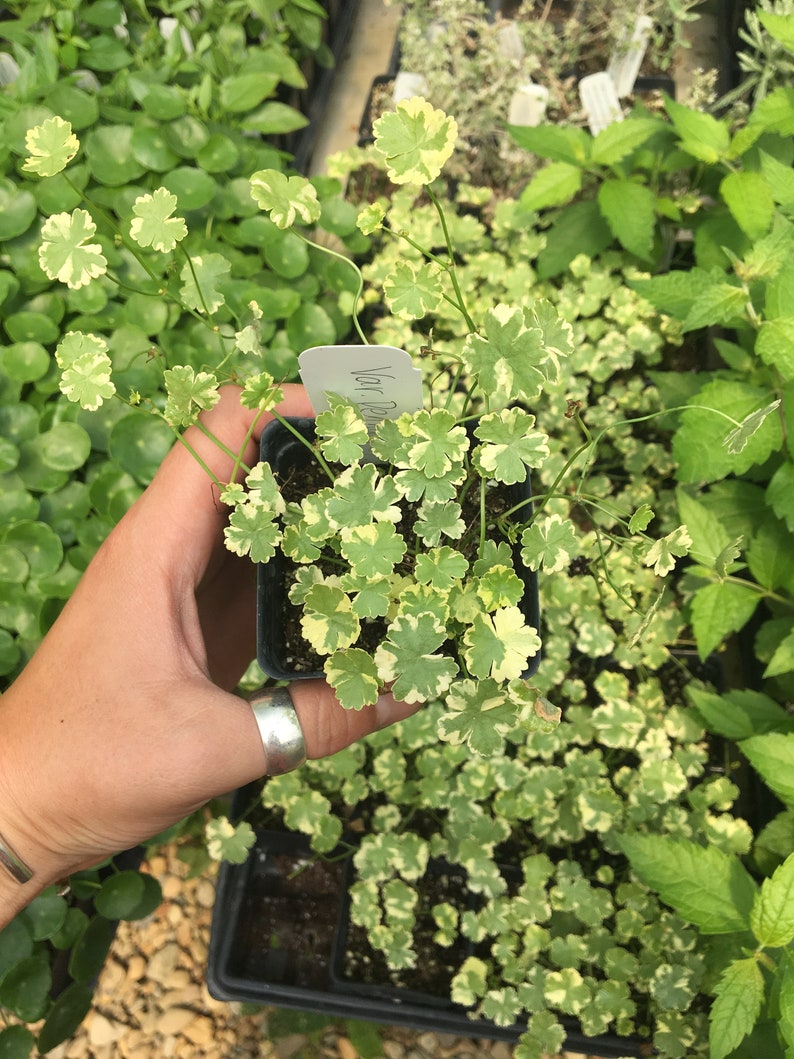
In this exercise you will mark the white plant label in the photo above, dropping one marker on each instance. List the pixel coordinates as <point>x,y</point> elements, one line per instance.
<point>528,105</point>
<point>382,380</point>
<point>600,101</point>
<point>407,85</point>
<point>626,60</point>
<point>511,45</point>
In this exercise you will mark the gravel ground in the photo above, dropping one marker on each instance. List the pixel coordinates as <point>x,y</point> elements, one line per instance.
<point>152,1001</point>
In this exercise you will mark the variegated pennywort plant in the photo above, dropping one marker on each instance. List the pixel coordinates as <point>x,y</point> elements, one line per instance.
<point>445,585</point>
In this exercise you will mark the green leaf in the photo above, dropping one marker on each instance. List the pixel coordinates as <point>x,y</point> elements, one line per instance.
<point>189,392</point>
<point>201,276</point>
<point>774,345</point>
<point>437,519</point>
<point>499,645</point>
<point>373,550</point>
<point>25,989</point>
<point>663,553</point>
<point>328,622</point>
<point>738,714</point>
<point>740,994</point>
<point>342,430</point>
<point>90,950</point>
<point>717,303</point>
<point>153,224</point>
<point>51,147</point>
<point>772,916</point>
<point>560,143</point>
<point>630,212</point>
<point>478,713</point>
<point>619,139</point>
<point>510,445</point>
<point>749,199</point>
<point>470,982</point>
<point>702,136</point>
<point>275,119</point>
<point>119,895</point>
<point>554,185</point>
<point>736,440</point>
<point>407,657</point>
<point>361,495</point>
<point>782,661</point>
<point>242,92</point>
<point>285,199</point>
<point>16,1042</point>
<point>416,140</point>
<point>252,530</point>
<point>772,756</point>
<point>412,293</point>
<point>65,254</point>
<point>354,676</point>
<point>64,1017</point>
<point>778,26</point>
<point>228,841</point>
<point>704,885</point>
<point>641,518</point>
<point>549,543</point>
<point>508,357</point>
<point>718,610</point>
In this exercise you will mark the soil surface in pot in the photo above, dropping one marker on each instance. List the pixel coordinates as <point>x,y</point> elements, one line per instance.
<point>287,922</point>
<point>436,965</point>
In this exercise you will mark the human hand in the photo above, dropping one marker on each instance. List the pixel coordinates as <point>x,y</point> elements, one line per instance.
<point>123,722</point>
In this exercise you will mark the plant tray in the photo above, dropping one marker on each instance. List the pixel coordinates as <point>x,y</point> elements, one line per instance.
<point>256,958</point>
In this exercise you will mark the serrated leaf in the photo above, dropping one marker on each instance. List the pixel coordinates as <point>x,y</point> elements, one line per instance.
<point>773,345</point>
<point>500,644</point>
<point>738,714</point>
<point>554,185</point>
<point>407,657</point>
<point>630,212</point>
<point>361,495</point>
<point>710,888</point>
<point>328,621</point>
<point>549,543</point>
<point>189,392</point>
<point>478,713</point>
<point>86,369</point>
<point>702,136</point>
<point>51,147</point>
<point>736,439</point>
<point>509,446</point>
<point>252,531</point>
<point>373,550</point>
<point>153,224</point>
<point>437,444</point>
<point>718,303</point>
<point>354,676</point>
<point>437,519</point>
<point>641,518</point>
<point>285,199</point>
<point>561,143</point>
<point>749,199</point>
<point>416,140</point>
<point>718,610</point>
<point>412,292</point>
<point>772,916</point>
<point>619,139</point>
<point>740,994</point>
<point>227,841</point>
<point>772,756</point>
<point>508,357</point>
<point>65,253</point>
<point>342,431</point>
<point>663,553</point>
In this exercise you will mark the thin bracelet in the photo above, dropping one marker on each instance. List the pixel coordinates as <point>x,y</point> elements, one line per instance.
<point>13,863</point>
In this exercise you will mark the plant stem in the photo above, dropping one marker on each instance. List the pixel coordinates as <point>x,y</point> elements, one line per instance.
<point>451,267</point>
<point>356,269</point>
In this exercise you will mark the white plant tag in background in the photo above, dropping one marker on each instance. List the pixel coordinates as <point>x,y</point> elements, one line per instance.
<point>600,101</point>
<point>528,104</point>
<point>626,60</point>
<point>382,380</point>
<point>510,42</point>
<point>407,85</point>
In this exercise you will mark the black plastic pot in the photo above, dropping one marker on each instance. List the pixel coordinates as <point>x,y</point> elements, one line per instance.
<point>257,957</point>
<point>287,455</point>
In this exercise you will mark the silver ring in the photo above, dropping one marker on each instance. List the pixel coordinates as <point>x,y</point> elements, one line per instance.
<point>280,730</point>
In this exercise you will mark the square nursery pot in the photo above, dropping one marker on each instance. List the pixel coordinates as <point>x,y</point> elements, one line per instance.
<point>281,935</point>
<point>280,647</point>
